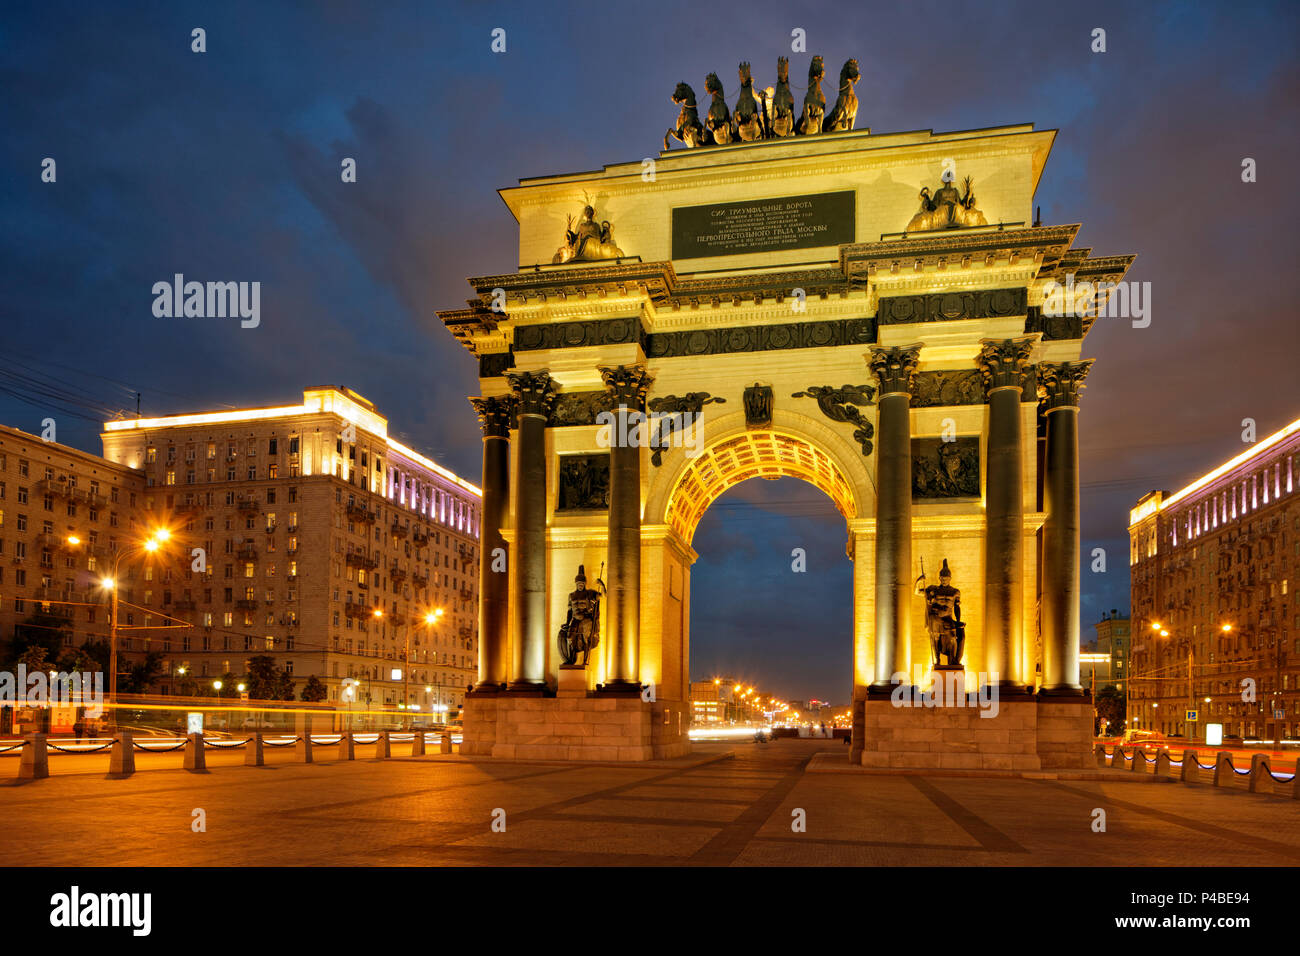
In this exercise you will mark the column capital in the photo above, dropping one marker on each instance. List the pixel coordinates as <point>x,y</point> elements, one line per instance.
<point>495,415</point>
<point>1005,362</point>
<point>1059,383</point>
<point>534,393</point>
<point>627,384</point>
<point>894,366</point>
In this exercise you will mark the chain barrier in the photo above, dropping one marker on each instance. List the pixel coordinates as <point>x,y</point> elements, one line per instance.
<point>323,742</point>
<point>17,746</point>
<point>226,745</point>
<point>157,750</point>
<point>78,749</point>
<point>286,743</point>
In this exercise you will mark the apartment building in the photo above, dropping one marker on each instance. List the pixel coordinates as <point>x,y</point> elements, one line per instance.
<point>1216,615</point>
<point>64,514</point>
<point>307,533</point>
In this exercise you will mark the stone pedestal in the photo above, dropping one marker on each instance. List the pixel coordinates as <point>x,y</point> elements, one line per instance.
<point>1022,733</point>
<point>572,728</point>
<point>573,681</point>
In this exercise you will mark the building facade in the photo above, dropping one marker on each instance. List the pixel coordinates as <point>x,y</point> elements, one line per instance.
<point>306,533</point>
<point>64,514</point>
<point>1113,633</point>
<point>1216,618</point>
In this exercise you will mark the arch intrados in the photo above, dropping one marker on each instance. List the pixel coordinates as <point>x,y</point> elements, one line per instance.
<point>754,453</point>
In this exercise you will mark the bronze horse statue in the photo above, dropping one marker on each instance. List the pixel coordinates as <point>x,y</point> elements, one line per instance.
<point>845,112</point>
<point>749,119</point>
<point>688,131</point>
<point>782,101</point>
<point>814,101</point>
<point>718,120</point>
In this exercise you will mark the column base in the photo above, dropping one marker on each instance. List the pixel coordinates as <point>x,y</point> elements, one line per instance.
<point>619,688</point>
<point>884,691</point>
<point>524,688</point>
<point>1063,690</point>
<point>486,689</point>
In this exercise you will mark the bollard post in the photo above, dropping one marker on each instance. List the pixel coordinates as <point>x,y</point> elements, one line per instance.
<point>1139,761</point>
<point>444,743</point>
<point>1101,755</point>
<point>302,746</point>
<point>34,764</point>
<point>382,750</point>
<point>254,755</point>
<point>1222,771</point>
<point>1259,774</point>
<point>195,757</point>
<point>347,749</point>
<point>417,744</point>
<point>1189,771</point>
<point>121,759</point>
<point>1162,762</point>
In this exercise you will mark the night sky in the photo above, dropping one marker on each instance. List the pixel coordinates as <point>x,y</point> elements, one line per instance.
<point>225,166</point>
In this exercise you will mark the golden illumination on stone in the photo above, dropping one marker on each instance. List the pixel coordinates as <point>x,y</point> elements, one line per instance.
<point>755,454</point>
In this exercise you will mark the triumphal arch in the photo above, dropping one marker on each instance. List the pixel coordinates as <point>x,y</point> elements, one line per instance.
<point>863,311</point>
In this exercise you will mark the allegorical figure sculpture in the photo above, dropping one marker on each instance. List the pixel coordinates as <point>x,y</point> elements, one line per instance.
<point>947,208</point>
<point>588,240</point>
<point>580,632</point>
<point>943,617</point>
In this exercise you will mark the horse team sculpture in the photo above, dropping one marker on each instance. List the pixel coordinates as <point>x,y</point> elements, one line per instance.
<point>765,114</point>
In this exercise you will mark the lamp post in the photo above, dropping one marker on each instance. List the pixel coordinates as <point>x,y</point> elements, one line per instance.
<point>430,618</point>
<point>150,545</point>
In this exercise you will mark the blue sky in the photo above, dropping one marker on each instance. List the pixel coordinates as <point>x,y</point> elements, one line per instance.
<point>225,165</point>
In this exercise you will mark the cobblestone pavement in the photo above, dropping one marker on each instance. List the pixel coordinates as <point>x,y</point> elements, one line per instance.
<point>730,804</point>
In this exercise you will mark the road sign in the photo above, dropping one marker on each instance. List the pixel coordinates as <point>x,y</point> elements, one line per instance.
<point>1191,716</point>
<point>1279,714</point>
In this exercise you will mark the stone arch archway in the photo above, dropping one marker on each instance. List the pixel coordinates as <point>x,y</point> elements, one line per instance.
<point>683,489</point>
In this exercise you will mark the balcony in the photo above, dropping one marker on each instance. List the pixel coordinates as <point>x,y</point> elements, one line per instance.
<point>184,604</point>
<point>354,609</point>
<point>401,530</point>
<point>51,486</point>
<point>420,580</point>
<point>246,604</point>
<point>270,528</point>
<point>420,537</point>
<point>90,499</point>
<point>248,506</point>
<point>397,573</point>
<point>361,513</point>
<point>247,551</point>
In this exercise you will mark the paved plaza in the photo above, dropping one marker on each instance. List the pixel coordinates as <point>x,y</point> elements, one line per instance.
<point>729,804</point>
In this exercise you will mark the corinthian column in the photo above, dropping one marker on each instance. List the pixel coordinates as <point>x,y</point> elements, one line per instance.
<point>1058,388</point>
<point>627,385</point>
<point>494,418</point>
<point>895,368</point>
<point>1003,362</point>
<point>535,395</point>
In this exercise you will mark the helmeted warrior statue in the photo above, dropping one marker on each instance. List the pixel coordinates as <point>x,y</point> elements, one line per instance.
<point>580,632</point>
<point>943,617</point>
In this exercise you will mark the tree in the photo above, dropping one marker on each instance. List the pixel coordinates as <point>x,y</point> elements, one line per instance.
<point>40,629</point>
<point>140,677</point>
<point>1110,705</point>
<point>263,677</point>
<point>314,690</point>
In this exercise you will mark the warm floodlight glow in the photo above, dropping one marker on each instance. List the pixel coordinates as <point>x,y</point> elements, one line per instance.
<point>73,540</point>
<point>106,583</point>
<point>216,685</point>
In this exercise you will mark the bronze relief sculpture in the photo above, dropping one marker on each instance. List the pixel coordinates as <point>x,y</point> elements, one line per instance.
<point>843,405</point>
<point>943,618</point>
<point>580,632</point>
<point>758,406</point>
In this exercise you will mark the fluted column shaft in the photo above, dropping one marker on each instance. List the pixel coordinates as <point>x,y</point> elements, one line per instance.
<point>535,396</point>
<point>895,368</point>
<point>494,415</point>
<point>627,385</point>
<point>1058,385</point>
<point>1003,363</point>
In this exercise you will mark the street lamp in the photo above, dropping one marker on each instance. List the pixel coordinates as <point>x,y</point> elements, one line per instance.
<point>431,617</point>
<point>110,583</point>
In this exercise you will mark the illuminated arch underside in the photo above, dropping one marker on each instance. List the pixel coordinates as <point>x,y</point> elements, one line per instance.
<point>755,454</point>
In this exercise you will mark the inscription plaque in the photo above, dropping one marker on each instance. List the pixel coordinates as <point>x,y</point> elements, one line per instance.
<point>763,225</point>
